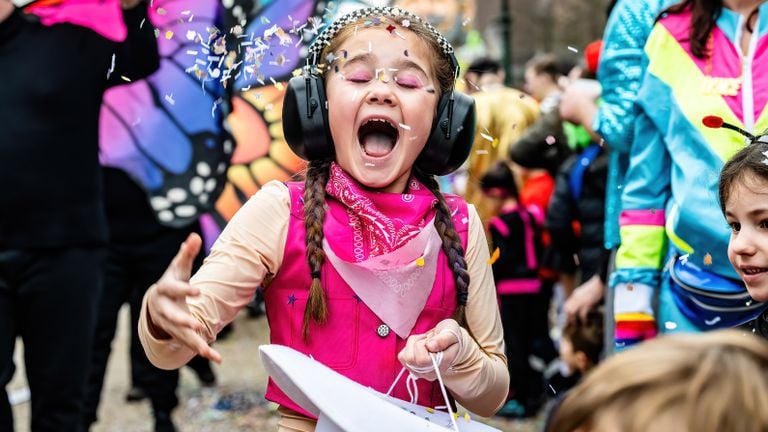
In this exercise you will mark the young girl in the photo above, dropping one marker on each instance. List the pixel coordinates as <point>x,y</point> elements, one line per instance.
<point>743,192</point>
<point>363,265</point>
<point>515,232</point>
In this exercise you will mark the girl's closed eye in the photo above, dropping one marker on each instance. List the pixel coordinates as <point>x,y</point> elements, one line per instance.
<point>359,77</point>
<point>409,81</point>
<point>763,224</point>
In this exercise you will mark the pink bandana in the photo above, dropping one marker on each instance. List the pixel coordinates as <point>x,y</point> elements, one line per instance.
<point>381,222</point>
<point>389,256</point>
<point>105,17</point>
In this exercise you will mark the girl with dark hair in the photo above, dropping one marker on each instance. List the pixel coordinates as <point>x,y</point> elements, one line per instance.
<point>703,58</point>
<point>743,193</point>
<point>515,232</point>
<point>366,266</point>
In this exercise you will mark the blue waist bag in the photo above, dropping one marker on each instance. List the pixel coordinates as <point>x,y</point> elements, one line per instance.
<point>708,300</point>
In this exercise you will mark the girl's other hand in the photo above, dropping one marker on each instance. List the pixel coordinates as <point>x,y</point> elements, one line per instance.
<point>444,337</point>
<point>168,313</point>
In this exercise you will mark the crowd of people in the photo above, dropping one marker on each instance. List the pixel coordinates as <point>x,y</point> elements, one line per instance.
<point>520,252</point>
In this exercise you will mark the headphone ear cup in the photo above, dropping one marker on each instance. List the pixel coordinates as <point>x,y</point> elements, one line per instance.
<point>443,155</point>
<point>305,121</point>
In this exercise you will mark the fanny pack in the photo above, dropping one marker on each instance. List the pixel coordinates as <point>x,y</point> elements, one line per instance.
<point>708,300</point>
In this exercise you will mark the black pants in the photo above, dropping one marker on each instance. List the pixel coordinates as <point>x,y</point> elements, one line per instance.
<point>131,269</point>
<point>49,297</point>
<point>526,333</point>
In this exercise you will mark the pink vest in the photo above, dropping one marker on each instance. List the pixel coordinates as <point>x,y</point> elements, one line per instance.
<point>353,341</point>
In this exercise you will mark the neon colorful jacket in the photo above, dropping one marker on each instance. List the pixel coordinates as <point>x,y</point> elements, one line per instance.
<point>622,65</point>
<point>670,194</point>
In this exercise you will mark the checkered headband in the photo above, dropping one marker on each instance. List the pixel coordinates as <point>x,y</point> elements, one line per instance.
<point>396,14</point>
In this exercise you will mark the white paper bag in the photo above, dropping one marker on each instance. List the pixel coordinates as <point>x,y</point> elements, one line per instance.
<point>343,405</point>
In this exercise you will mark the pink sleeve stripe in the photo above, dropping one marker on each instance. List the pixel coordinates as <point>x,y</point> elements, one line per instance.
<point>518,286</point>
<point>500,226</point>
<point>642,217</point>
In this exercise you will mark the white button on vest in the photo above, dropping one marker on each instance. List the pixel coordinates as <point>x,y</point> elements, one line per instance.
<point>383,330</point>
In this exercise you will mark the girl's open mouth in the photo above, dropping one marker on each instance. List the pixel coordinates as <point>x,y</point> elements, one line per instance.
<point>377,137</point>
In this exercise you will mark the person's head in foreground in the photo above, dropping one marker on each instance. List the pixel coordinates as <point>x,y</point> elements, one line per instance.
<point>705,382</point>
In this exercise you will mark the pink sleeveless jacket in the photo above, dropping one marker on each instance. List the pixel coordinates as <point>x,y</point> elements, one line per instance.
<point>354,341</point>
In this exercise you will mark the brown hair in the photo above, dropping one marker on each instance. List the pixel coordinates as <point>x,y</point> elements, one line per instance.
<point>707,382</point>
<point>587,336</point>
<point>442,72</point>
<point>746,163</point>
<point>317,177</point>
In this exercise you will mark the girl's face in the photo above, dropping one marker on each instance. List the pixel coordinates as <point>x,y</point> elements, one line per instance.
<point>381,101</point>
<point>747,214</point>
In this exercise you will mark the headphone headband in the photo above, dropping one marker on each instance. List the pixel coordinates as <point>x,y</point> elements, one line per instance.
<point>399,15</point>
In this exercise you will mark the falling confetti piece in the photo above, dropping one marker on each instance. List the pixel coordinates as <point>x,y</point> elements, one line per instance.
<point>670,325</point>
<point>466,417</point>
<point>486,136</point>
<point>111,67</point>
<point>570,48</point>
<point>169,99</point>
<point>765,161</point>
<point>161,11</point>
<point>550,140</point>
<point>404,126</point>
<point>684,259</point>
<point>495,143</point>
<point>707,259</point>
<point>466,21</point>
<point>406,23</point>
<point>494,256</point>
<point>125,78</point>
<point>168,34</point>
<point>420,261</point>
<point>191,35</point>
<point>430,410</point>
<point>481,152</point>
<point>265,20</point>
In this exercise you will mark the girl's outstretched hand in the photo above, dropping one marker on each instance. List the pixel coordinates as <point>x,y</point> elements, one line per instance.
<point>169,315</point>
<point>445,337</point>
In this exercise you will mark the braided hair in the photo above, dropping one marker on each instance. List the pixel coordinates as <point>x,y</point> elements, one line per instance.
<point>318,172</point>
<point>451,247</point>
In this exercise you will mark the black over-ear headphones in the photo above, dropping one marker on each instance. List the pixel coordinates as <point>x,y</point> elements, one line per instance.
<point>305,117</point>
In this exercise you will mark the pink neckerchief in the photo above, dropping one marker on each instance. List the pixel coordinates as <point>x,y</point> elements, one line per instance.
<point>381,222</point>
<point>105,17</point>
<point>389,256</point>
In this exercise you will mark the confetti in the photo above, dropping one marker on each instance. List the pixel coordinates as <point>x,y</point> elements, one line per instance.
<point>191,34</point>
<point>486,136</point>
<point>494,256</point>
<point>550,139</point>
<point>707,259</point>
<point>570,48</point>
<point>481,152</point>
<point>420,261</point>
<point>168,34</point>
<point>404,126</point>
<point>684,259</point>
<point>111,67</point>
<point>369,164</point>
<point>466,21</point>
<point>765,161</point>
<point>670,325</point>
<point>125,78</point>
<point>466,417</point>
<point>169,99</point>
<point>430,410</point>
<point>406,23</point>
<point>161,11</point>
<point>391,28</point>
<point>265,20</point>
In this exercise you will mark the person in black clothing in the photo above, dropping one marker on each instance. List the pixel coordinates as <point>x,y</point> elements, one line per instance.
<point>515,234</point>
<point>575,220</point>
<point>138,250</point>
<point>52,222</point>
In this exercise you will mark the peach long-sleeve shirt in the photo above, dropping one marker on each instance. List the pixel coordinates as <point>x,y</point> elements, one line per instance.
<point>251,248</point>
